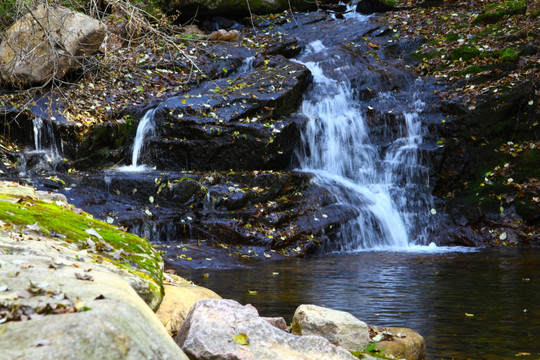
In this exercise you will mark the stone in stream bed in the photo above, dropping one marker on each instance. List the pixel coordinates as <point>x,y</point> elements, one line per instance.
<point>343,329</point>
<point>224,329</point>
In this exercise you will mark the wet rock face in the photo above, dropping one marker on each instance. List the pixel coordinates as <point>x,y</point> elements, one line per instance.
<point>485,165</point>
<point>254,214</point>
<point>239,123</point>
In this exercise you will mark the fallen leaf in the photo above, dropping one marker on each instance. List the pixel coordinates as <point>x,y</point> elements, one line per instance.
<point>241,339</point>
<point>84,277</point>
<point>469,315</point>
<point>253,292</point>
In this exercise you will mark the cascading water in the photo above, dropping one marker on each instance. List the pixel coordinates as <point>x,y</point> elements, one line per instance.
<point>381,184</point>
<point>146,125</point>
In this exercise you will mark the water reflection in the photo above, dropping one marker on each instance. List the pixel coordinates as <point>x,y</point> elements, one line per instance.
<point>429,292</point>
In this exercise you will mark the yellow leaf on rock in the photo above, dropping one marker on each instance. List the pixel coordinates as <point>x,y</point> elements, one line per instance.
<point>241,339</point>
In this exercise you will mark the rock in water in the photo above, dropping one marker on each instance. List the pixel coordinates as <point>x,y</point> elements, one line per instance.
<point>47,43</point>
<point>224,329</point>
<point>339,327</point>
<point>401,343</point>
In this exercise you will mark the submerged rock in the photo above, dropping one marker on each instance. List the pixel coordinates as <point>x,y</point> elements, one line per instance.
<point>224,329</point>
<point>27,55</point>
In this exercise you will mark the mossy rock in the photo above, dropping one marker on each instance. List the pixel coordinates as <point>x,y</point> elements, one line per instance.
<point>495,12</point>
<point>464,52</point>
<point>509,55</point>
<point>21,212</point>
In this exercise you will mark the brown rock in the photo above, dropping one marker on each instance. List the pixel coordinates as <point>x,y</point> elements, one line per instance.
<point>224,35</point>
<point>47,43</point>
<point>278,322</point>
<point>402,343</point>
<point>180,295</point>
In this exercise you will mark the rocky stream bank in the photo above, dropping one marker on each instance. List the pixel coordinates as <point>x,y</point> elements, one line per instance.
<point>80,287</point>
<point>219,178</point>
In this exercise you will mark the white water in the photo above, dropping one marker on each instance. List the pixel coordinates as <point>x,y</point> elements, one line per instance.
<point>381,186</point>
<point>43,131</point>
<point>146,126</point>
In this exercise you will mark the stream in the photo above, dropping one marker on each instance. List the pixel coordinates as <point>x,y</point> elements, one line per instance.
<point>361,165</point>
<point>482,304</point>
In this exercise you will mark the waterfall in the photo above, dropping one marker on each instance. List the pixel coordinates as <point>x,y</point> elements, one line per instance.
<point>146,125</point>
<point>45,140</point>
<point>381,184</point>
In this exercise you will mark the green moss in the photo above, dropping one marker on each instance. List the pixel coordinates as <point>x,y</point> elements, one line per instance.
<point>495,54</point>
<point>451,37</point>
<point>492,13</point>
<point>137,255</point>
<point>473,69</point>
<point>491,30</point>
<point>464,52</point>
<point>509,55</point>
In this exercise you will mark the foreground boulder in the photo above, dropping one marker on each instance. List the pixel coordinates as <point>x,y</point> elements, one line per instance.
<point>73,287</point>
<point>339,327</point>
<point>224,329</point>
<point>180,295</point>
<point>47,43</point>
<point>77,310</point>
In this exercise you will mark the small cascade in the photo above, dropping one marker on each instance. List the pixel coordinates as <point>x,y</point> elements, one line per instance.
<point>45,140</point>
<point>38,125</point>
<point>146,126</point>
<point>45,156</point>
<point>381,183</point>
<point>247,65</point>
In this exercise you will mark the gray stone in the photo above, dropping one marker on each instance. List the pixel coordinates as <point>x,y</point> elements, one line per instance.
<point>224,329</point>
<point>76,310</point>
<point>47,43</point>
<point>339,327</point>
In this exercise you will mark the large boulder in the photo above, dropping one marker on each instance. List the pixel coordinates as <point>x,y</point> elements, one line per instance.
<point>47,43</point>
<point>57,309</point>
<point>180,295</point>
<point>224,329</point>
<point>41,224</point>
<point>70,289</point>
<point>239,123</point>
<point>339,327</point>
